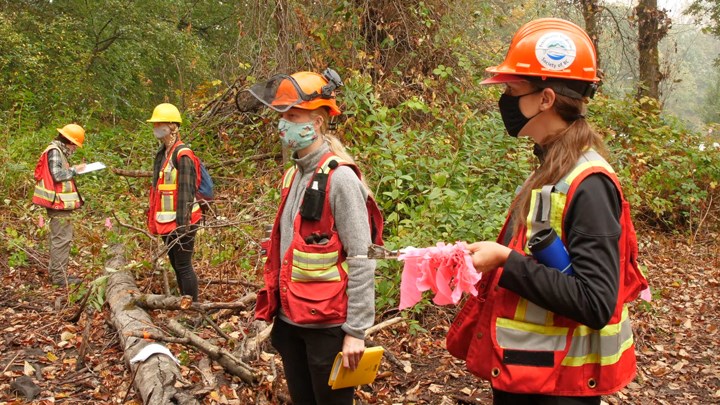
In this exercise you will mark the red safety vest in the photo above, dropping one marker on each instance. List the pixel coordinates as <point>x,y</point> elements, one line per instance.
<point>61,195</point>
<point>163,197</point>
<point>522,348</point>
<point>310,282</point>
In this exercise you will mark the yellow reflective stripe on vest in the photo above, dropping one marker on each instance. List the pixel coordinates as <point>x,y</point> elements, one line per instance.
<point>166,186</point>
<point>589,159</point>
<point>604,346</point>
<point>516,335</point>
<point>325,167</point>
<point>314,261</point>
<point>308,267</point>
<point>557,207</point>
<point>288,177</point>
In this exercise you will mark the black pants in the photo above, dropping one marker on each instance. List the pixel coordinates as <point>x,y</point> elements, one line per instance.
<point>307,356</point>
<point>180,254</point>
<point>507,398</point>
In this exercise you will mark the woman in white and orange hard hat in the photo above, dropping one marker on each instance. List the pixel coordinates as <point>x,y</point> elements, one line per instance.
<point>174,212</point>
<point>540,332</point>
<point>318,289</point>
<point>55,190</point>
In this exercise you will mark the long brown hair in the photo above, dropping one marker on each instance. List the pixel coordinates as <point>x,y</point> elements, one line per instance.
<point>561,152</point>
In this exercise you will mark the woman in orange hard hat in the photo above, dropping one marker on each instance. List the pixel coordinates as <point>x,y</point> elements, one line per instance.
<point>55,190</point>
<point>319,287</point>
<point>550,324</point>
<point>174,212</point>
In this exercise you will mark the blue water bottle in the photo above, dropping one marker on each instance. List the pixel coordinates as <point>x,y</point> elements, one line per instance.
<point>548,249</point>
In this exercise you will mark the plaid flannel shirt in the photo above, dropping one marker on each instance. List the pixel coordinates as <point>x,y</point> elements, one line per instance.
<point>56,164</point>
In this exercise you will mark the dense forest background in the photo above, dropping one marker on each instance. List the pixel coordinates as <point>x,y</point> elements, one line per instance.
<point>426,134</point>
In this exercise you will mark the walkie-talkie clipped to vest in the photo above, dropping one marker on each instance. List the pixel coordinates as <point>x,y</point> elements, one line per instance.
<point>314,199</point>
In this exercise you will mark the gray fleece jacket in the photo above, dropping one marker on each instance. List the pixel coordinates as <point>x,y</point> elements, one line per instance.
<point>347,201</point>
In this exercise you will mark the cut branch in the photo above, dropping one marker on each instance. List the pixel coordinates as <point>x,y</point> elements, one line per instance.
<point>382,325</point>
<point>132,173</point>
<point>230,363</point>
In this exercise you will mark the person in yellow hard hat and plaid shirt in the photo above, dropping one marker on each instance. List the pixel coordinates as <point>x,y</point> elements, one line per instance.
<point>55,190</point>
<point>174,211</point>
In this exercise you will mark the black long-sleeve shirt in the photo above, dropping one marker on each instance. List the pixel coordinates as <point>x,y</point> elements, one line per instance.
<point>186,184</point>
<point>592,229</point>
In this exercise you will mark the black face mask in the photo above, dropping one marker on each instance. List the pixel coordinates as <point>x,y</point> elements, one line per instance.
<point>512,117</point>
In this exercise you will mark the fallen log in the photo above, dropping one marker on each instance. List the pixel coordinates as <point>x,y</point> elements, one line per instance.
<point>155,379</point>
<point>227,360</point>
<point>171,302</point>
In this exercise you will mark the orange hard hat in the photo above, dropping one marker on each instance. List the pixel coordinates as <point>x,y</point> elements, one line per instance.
<point>549,48</point>
<point>73,133</point>
<point>313,85</point>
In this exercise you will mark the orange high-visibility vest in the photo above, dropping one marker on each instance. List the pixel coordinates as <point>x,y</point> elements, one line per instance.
<point>62,195</point>
<point>163,197</point>
<point>522,348</point>
<point>310,282</point>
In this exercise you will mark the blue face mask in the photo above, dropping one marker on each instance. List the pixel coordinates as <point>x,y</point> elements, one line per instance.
<point>296,136</point>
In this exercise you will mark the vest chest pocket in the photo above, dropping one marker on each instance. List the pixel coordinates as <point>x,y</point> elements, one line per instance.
<point>317,301</point>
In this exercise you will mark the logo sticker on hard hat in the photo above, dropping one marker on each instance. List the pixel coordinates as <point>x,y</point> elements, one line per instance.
<point>555,51</point>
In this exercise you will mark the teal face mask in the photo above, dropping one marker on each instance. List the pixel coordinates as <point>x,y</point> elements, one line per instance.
<point>296,136</point>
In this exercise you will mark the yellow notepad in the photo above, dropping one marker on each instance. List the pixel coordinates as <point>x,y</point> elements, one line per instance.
<point>365,373</point>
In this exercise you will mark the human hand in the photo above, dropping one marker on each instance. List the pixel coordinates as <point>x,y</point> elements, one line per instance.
<point>79,168</point>
<point>487,256</point>
<point>353,349</point>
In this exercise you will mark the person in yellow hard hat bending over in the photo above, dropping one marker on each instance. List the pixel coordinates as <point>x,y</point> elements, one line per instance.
<point>319,283</point>
<point>174,211</point>
<point>550,323</point>
<point>55,190</point>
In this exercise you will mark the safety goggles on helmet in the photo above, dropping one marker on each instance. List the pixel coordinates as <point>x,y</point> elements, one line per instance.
<point>283,92</point>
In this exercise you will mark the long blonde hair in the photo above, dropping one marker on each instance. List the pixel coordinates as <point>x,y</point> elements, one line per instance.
<point>336,146</point>
<point>561,152</point>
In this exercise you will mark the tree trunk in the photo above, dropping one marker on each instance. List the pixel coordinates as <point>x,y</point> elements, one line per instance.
<point>591,10</point>
<point>653,25</point>
<point>154,378</point>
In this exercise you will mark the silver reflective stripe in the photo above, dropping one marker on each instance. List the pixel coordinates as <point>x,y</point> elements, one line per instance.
<point>545,202</point>
<point>164,217</point>
<point>69,197</point>
<point>537,315</point>
<point>67,187</point>
<point>44,193</point>
<point>516,335</point>
<point>166,203</point>
<point>605,343</point>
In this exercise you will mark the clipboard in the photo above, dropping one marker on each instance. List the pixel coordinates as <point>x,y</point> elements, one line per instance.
<point>365,373</point>
<point>91,167</point>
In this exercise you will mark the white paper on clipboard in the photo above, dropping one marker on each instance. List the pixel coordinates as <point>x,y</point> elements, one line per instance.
<point>91,167</point>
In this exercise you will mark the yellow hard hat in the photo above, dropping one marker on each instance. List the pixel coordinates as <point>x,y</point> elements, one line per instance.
<point>166,112</point>
<point>73,133</point>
